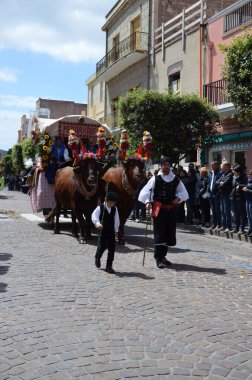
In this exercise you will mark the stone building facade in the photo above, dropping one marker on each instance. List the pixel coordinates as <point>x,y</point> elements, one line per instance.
<point>54,109</point>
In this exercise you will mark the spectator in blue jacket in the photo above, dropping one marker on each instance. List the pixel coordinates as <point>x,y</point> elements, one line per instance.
<point>224,185</point>
<point>238,201</point>
<point>214,199</point>
<point>248,194</point>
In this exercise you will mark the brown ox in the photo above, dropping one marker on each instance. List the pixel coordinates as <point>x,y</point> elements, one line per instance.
<point>125,180</point>
<point>76,190</point>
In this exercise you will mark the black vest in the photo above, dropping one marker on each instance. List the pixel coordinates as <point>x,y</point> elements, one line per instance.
<point>107,220</point>
<point>165,192</point>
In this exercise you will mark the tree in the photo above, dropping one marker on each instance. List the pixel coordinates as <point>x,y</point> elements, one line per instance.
<point>28,149</point>
<point>237,70</point>
<point>7,164</point>
<point>178,124</point>
<point>17,158</point>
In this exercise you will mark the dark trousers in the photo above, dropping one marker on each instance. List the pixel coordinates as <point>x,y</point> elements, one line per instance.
<point>226,212</point>
<point>109,244</point>
<point>205,210</point>
<point>216,210</point>
<point>239,210</point>
<point>249,213</point>
<point>181,213</point>
<point>139,208</point>
<point>160,252</point>
<point>164,232</point>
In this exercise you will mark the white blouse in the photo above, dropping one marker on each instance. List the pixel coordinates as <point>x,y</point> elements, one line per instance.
<point>96,215</point>
<point>146,194</point>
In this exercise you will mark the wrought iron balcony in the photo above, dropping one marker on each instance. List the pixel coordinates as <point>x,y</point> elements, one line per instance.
<point>136,42</point>
<point>238,17</point>
<point>216,92</point>
<point>111,120</point>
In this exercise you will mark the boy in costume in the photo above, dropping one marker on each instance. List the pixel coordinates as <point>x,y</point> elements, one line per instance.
<point>106,218</point>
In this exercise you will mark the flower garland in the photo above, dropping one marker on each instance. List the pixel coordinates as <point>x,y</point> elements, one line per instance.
<point>44,150</point>
<point>73,142</point>
<point>124,144</point>
<point>111,146</point>
<point>101,141</point>
<point>147,143</point>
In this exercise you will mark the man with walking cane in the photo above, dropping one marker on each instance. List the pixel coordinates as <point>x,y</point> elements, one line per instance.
<point>106,218</point>
<point>163,192</point>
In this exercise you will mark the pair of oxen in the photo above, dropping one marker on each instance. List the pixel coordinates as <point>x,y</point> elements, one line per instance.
<point>82,187</point>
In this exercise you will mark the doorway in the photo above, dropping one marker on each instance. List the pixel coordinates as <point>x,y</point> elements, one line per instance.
<point>135,33</point>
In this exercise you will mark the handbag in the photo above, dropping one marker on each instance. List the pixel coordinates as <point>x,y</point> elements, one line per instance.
<point>206,195</point>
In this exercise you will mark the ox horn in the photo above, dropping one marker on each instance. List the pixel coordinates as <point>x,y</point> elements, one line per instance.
<point>76,169</point>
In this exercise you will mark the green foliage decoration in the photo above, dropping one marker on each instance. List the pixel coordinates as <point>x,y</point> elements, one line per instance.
<point>237,71</point>
<point>44,149</point>
<point>177,124</point>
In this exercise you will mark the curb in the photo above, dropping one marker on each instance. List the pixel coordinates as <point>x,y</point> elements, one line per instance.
<point>204,230</point>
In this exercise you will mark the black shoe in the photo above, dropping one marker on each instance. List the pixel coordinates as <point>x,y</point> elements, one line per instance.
<point>160,264</point>
<point>213,226</point>
<point>97,262</point>
<point>235,231</point>
<point>166,262</point>
<point>241,232</point>
<point>163,263</point>
<point>249,233</point>
<point>109,269</point>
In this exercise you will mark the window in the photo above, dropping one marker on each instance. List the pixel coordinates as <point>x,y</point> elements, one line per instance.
<point>115,53</point>
<point>238,157</point>
<point>217,156</point>
<point>135,29</point>
<point>174,83</point>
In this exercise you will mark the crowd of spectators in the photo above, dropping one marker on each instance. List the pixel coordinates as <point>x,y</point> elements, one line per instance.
<point>220,199</point>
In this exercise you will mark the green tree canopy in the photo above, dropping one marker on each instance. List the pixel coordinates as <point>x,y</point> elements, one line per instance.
<point>178,124</point>
<point>7,163</point>
<point>237,70</point>
<point>28,149</point>
<point>17,158</point>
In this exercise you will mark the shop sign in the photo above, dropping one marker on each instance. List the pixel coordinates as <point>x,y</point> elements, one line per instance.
<point>241,145</point>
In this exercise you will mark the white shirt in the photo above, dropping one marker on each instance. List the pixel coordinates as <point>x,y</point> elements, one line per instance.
<point>146,194</point>
<point>211,185</point>
<point>96,217</point>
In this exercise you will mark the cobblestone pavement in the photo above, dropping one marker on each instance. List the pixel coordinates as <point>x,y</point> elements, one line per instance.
<point>61,318</point>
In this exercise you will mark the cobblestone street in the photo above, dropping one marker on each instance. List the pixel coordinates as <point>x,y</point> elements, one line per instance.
<point>62,318</point>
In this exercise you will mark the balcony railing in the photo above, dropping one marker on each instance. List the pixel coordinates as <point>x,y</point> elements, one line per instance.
<point>137,41</point>
<point>238,17</point>
<point>111,120</point>
<point>216,92</point>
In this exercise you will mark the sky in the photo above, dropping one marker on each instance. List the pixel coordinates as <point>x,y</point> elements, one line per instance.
<point>48,49</point>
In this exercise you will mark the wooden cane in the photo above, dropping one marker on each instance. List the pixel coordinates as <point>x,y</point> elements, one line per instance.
<point>148,218</point>
<point>145,238</point>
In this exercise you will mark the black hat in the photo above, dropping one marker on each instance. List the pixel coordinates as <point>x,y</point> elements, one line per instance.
<point>111,196</point>
<point>165,159</point>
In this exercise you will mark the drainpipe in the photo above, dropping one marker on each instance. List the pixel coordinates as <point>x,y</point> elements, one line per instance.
<point>149,44</point>
<point>200,61</point>
<point>105,83</point>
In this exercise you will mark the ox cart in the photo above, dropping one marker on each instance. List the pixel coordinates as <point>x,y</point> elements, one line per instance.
<point>41,192</point>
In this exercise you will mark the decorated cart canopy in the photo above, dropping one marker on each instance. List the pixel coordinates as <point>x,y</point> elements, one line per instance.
<point>85,127</point>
